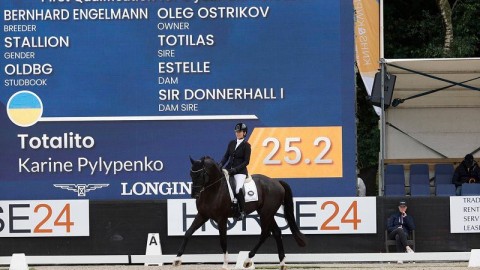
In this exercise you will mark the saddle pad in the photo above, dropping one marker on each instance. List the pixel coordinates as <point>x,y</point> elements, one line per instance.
<point>251,193</point>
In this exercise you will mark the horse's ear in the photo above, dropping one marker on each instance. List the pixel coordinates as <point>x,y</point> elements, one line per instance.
<point>191,160</point>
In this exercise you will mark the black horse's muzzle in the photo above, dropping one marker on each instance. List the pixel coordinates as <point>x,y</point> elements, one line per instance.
<point>195,193</point>
<point>199,178</point>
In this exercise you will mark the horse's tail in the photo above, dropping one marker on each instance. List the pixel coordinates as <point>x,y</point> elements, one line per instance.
<point>290,217</point>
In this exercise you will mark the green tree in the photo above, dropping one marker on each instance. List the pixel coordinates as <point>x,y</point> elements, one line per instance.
<point>368,134</point>
<point>432,28</point>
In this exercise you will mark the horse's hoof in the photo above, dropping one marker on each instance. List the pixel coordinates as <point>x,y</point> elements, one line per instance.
<point>247,264</point>
<point>283,266</point>
<point>177,262</point>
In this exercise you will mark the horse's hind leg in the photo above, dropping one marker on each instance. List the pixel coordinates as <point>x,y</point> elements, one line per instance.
<point>197,223</point>
<point>265,226</point>
<point>277,234</point>
<point>263,236</point>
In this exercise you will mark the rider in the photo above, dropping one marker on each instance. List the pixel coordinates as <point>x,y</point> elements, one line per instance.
<point>236,159</point>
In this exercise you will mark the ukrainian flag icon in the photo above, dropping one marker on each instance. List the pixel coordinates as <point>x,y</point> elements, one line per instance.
<point>24,108</point>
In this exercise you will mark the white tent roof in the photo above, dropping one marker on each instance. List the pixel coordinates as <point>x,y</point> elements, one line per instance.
<point>438,125</point>
<point>459,70</point>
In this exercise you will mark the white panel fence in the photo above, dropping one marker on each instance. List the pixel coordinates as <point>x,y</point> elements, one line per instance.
<point>309,258</point>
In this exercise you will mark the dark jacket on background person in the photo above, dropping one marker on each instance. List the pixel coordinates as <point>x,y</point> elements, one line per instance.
<point>396,220</point>
<point>463,174</point>
<point>237,159</point>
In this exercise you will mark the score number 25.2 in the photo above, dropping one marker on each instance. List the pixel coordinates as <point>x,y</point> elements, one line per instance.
<point>323,143</point>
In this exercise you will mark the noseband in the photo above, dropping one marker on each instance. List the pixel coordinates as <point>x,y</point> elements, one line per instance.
<point>206,178</point>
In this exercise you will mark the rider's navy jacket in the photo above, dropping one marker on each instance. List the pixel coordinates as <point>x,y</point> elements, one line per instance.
<point>239,158</point>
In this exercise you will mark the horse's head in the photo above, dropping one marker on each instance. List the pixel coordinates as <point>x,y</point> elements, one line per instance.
<point>200,172</point>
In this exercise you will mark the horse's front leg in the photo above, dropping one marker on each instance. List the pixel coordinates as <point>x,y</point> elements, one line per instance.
<point>222,230</point>
<point>197,223</point>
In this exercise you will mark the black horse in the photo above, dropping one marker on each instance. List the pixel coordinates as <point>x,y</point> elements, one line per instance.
<point>213,202</point>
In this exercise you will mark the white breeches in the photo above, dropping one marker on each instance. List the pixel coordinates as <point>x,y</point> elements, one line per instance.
<point>239,181</point>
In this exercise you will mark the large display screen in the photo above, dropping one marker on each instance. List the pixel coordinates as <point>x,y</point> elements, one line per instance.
<point>107,99</point>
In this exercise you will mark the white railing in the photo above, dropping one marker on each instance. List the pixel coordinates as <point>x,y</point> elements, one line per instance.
<point>306,258</point>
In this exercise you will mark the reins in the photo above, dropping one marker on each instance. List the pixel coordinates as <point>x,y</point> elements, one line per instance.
<point>208,186</point>
<point>219,179</point>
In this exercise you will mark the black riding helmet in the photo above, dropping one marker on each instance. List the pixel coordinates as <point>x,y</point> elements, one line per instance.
<point>241,127</point>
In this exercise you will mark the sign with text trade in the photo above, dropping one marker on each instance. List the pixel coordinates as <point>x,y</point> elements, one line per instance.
<point>106,100</point>
<point>339,215</point>
<point>465,214</point>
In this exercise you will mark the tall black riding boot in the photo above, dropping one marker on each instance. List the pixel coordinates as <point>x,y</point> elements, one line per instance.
<point>241,204</point>
<point>233,184</point>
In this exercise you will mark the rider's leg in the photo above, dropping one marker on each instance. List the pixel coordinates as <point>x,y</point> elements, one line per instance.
<point>233,184</point>
<point>239,181</point>
<point>241,204</point>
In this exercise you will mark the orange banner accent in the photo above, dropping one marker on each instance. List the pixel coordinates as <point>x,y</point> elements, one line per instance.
<point>367,39</point>
<point>297,152</point>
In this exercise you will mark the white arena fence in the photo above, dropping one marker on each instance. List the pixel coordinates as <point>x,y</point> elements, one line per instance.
<point>306,258</point>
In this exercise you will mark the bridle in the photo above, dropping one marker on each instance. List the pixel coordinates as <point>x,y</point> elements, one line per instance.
<point>205,177</point>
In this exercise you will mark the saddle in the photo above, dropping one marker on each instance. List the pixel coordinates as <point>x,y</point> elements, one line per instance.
<point>249,188</point>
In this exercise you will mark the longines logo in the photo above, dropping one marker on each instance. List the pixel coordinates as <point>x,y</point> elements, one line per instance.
<point>80,189</point>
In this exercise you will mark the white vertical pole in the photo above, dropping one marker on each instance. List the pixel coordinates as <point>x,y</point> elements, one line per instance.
<point>381,184</point>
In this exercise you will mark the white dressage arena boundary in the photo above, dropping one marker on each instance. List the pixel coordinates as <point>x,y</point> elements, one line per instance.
<point>310,258</point>
<point>70,260</point>
<point>307,258</point>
